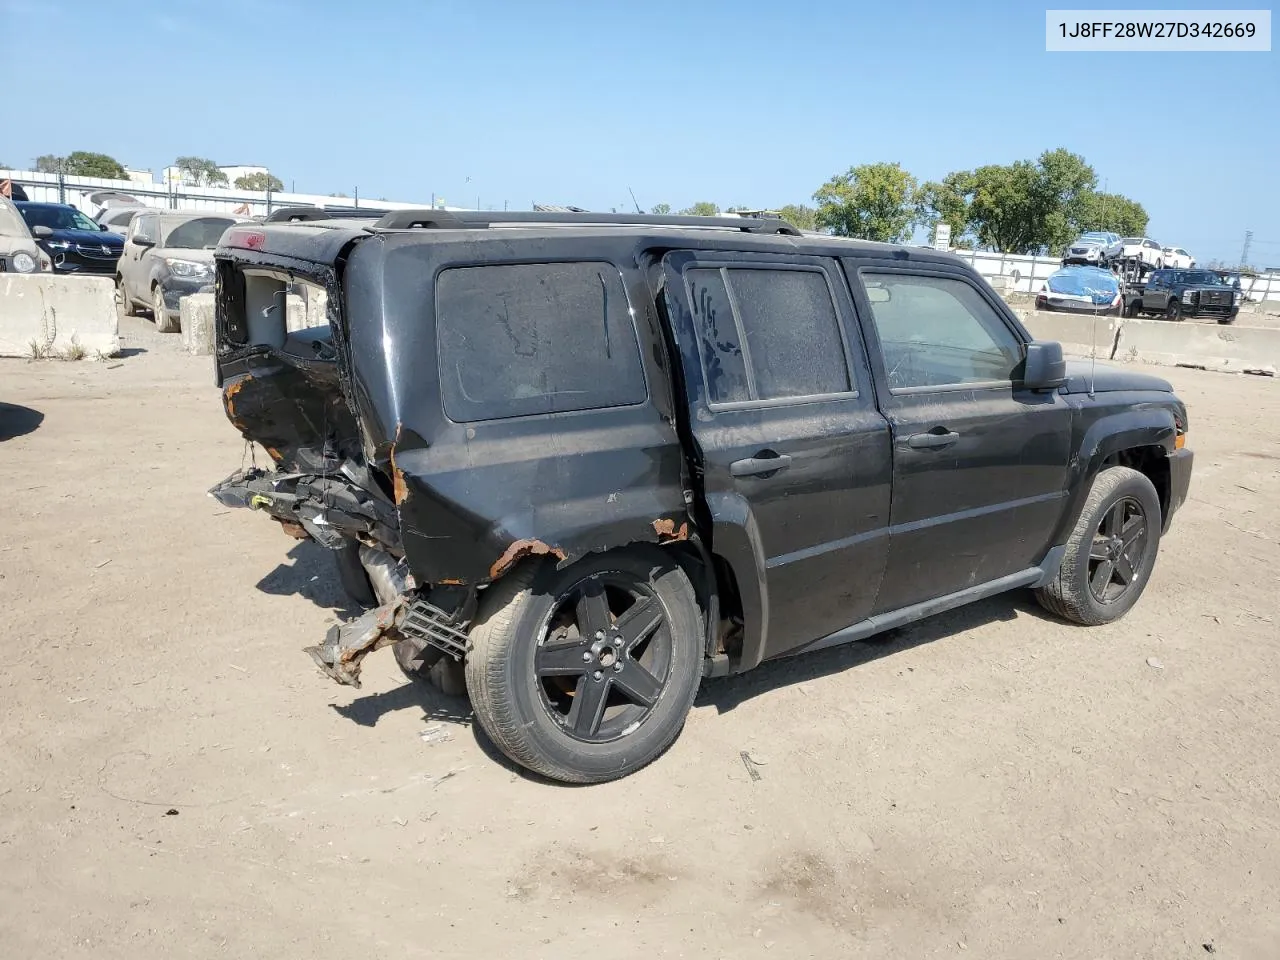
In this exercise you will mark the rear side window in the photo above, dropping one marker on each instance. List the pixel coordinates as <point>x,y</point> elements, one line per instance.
<point>767,334</point>
<point>521,339</point>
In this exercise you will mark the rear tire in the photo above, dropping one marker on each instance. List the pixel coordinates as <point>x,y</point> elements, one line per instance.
<point>165,323</point>
<point>1111,552</point>
<point>573,702</point>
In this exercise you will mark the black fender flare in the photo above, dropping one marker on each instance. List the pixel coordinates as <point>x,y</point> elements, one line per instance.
<point>1143,426</point>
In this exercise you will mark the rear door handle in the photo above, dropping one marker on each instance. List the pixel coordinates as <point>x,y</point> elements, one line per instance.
<point>919,440</point>
<point>760,465</point>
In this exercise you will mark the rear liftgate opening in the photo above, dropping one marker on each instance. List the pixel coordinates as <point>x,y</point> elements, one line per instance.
<point>279,365</point>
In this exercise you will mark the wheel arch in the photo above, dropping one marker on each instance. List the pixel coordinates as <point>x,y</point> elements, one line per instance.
<point>1140,437</point>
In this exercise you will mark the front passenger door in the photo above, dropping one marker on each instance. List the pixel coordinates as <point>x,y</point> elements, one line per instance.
<point>1155,296</point>
<point>979,463</point>
<point>144,227</point>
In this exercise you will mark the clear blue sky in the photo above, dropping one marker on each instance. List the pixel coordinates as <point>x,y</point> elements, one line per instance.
<point>574,102</point>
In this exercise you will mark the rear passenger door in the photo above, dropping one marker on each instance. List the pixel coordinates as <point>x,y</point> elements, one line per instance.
<point>979,464</point>
<point>793,453</point>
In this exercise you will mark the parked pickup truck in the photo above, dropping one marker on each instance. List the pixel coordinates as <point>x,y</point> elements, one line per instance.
<point>594,459</point>
<point>1174,294</point>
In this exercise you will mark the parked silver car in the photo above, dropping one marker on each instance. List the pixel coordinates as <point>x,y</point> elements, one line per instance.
<point>1093,248</point>
<point>168,254</point>
<point>19,252</point>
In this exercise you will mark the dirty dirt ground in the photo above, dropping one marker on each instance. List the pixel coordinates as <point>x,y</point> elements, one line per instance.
<point>177,779</point>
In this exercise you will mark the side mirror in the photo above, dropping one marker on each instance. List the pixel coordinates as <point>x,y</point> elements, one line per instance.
<point>1045,369</point>
<point>103,227</point>
<point>143,242</point>
<point>44,233</point>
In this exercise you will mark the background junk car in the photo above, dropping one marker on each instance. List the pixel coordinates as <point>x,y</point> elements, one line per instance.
<point>168,255</point>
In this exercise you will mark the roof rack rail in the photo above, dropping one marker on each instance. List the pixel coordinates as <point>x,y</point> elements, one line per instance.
<point>428,219</point>
<point>303,214</point>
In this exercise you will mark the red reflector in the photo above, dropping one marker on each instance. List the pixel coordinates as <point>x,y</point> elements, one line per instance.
<point>248,239</point>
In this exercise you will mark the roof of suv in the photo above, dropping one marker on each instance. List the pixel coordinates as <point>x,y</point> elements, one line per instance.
<point>318,234</point>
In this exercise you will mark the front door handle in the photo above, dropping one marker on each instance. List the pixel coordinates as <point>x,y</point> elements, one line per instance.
<point>941,439</point>
<point>764,464</point>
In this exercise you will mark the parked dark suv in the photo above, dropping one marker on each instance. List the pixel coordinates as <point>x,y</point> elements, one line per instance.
<point>1174,294</point>
<point>74,242</point>
<point>598,458</point>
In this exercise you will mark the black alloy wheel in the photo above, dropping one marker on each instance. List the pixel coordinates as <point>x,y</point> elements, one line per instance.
<point>604,658</point>
<point>1116,555</point>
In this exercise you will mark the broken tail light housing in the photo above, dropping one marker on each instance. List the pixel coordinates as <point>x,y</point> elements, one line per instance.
<point>245,238</point>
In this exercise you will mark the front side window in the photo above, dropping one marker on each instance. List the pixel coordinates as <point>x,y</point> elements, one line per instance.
<point>938,332</point>
<point>145,227</point>
<point>521,339</point>
<point>767,334</point>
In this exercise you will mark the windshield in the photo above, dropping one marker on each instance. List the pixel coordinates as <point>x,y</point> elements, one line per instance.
<point>1096,237</point>
<point>201,234</point>
<point>57,218</point>
<point>1201,276</point>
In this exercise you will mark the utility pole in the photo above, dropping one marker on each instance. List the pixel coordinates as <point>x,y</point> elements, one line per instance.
<point>1244,254</point>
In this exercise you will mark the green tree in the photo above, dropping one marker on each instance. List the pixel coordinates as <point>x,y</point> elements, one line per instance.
<point>702,208</point>
<point>799,215</point>
<point>1112,212</point>
<point>200,171</point>
<point>662,209</point>
<point>1007,211</point>
<point>1066,183</point>
<point>260,181</point>
<point>49,163</point>
<point>82,163</point>
<point>874,201</point>
<point>947,201</point>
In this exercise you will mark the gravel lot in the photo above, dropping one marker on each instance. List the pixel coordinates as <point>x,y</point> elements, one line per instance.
<point>179,780</point>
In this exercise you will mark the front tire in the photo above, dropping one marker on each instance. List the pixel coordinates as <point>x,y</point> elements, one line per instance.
<point>587,674</point>
<point>1111,553</point>
<point>1174,311</point>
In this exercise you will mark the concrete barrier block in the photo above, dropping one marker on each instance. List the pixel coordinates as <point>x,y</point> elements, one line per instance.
<point>54,315</point>
<point>1081,335</point>
<point>197,323</point>
<point>1227,347</point>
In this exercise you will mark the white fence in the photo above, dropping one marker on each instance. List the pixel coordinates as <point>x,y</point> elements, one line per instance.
<point>1026,274</point>
<point>58,188</point>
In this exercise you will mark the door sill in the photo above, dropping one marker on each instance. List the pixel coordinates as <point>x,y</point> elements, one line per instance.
<point>1031,577</point>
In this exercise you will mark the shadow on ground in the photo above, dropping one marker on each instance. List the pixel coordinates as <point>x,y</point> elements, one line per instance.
<point>366,711</point>
<point>17,421</point>
<point>727,693</point>
<point>311,575</point>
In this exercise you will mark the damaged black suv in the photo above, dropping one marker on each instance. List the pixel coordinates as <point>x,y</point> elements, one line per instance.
<point>594,459</point>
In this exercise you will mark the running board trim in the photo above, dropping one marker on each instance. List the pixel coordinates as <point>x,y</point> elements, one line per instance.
<point>1031,577</point>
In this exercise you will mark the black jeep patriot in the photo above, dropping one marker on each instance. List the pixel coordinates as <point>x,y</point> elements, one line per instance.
<point>594,459</point>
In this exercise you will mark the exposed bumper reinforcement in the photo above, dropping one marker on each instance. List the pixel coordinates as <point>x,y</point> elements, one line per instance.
<point>415,620</point>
